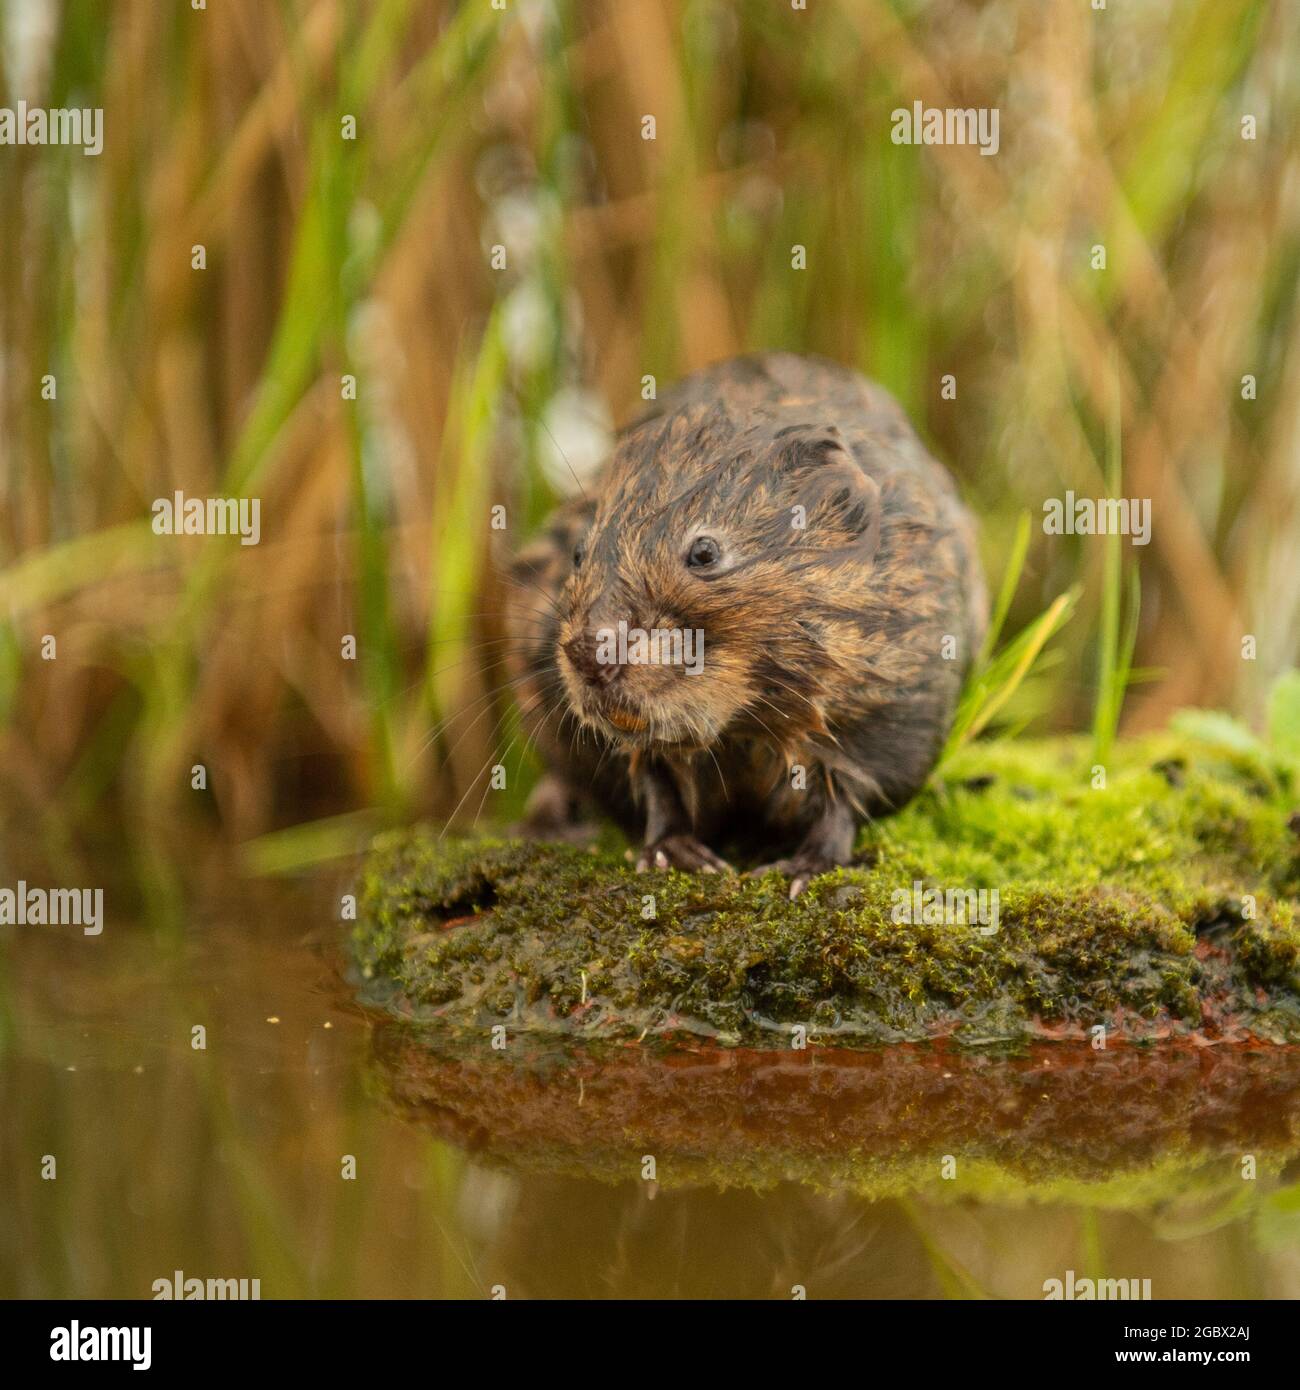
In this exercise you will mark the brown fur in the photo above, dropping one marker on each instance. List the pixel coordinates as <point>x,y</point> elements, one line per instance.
<point>822,645</point>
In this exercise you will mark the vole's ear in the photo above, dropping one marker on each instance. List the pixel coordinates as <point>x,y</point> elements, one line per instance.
<point>835,502</point>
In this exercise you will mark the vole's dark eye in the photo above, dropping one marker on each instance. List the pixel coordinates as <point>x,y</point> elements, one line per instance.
<point>704,551</point>
<point>579,554</point>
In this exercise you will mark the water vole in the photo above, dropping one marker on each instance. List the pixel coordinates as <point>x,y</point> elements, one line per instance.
<point>754,628</point>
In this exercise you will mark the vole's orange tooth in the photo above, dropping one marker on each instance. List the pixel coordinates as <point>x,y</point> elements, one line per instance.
<point>621,719</point>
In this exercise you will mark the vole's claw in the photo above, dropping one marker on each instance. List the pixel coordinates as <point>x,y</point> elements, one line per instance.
<point>784,867</point>
<point>683,852</point>
<point>800,869</point>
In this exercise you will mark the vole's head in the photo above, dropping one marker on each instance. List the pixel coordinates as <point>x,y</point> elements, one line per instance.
<point>717,580</point>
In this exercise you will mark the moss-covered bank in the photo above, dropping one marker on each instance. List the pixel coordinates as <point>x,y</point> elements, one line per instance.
<point>1161,904</point>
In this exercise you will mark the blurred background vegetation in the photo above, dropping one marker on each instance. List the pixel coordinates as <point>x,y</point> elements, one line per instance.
<point>521,127</point>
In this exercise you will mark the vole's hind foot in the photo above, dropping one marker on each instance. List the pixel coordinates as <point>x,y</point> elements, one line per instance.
<point>554,812</point>
<point>800,869</point>
<point>827,845</point>
<point>683,852</point>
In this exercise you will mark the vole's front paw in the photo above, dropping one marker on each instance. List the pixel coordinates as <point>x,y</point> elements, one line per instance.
<point>800,869</point>
<point>581,833</point>
<point>681,852</point>
<point>554,812</point>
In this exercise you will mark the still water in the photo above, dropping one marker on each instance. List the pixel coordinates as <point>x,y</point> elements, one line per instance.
<point>326,1151</point>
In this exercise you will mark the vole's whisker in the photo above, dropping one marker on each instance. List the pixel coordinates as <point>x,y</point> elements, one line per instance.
<point>484,698</point>
<point>514,578</point>
<point>498,761</point>
<point>789,689</point>
<point>721,775</point>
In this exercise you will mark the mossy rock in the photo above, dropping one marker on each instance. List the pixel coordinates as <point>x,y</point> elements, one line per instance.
<point>1161,906</point>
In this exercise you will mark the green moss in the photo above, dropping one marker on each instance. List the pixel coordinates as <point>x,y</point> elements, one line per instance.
<point>1162,904</point>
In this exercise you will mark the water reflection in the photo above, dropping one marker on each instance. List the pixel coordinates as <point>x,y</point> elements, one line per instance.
<point>228,1159</point>
<point>827,1170</point>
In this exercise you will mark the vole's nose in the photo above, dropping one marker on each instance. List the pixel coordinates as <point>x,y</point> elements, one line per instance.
<point>581,650</point>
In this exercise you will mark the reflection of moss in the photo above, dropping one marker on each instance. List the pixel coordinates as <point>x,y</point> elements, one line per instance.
<point>1059,1123</point>
<point>1126,906</point>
